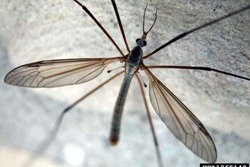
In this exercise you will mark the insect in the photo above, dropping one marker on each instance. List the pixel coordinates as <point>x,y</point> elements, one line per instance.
<point>177,117</point>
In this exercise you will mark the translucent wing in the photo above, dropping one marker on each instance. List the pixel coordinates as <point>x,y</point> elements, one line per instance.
<point>180,120</point>
<point>61,72</point>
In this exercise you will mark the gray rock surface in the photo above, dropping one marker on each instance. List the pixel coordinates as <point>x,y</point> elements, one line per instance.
<point>39,30</point>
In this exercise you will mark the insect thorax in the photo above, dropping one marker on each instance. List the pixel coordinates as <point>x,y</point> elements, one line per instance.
<point>134,59</point>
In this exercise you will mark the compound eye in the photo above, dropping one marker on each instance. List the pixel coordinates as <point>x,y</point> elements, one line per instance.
<point>144,43</point>
<point>137,40</point>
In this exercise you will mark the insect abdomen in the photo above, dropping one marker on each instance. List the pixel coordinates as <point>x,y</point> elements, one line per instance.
<point>117,115</point>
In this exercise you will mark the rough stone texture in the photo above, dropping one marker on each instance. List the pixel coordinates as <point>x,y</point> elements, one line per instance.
<point>38,30</point>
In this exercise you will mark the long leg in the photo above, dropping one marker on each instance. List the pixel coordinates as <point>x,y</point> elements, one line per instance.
<point>195,29</point>
<point>201,68</point>
<point>99,25</point>
<point>158,153</point>
<point>120,24</point>
<point>51,136</point>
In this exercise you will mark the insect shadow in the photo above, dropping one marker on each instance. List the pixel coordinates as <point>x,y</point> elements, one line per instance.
<point>184,125</point>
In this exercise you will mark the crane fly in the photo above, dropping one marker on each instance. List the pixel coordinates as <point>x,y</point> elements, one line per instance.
<point>176,116</point>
